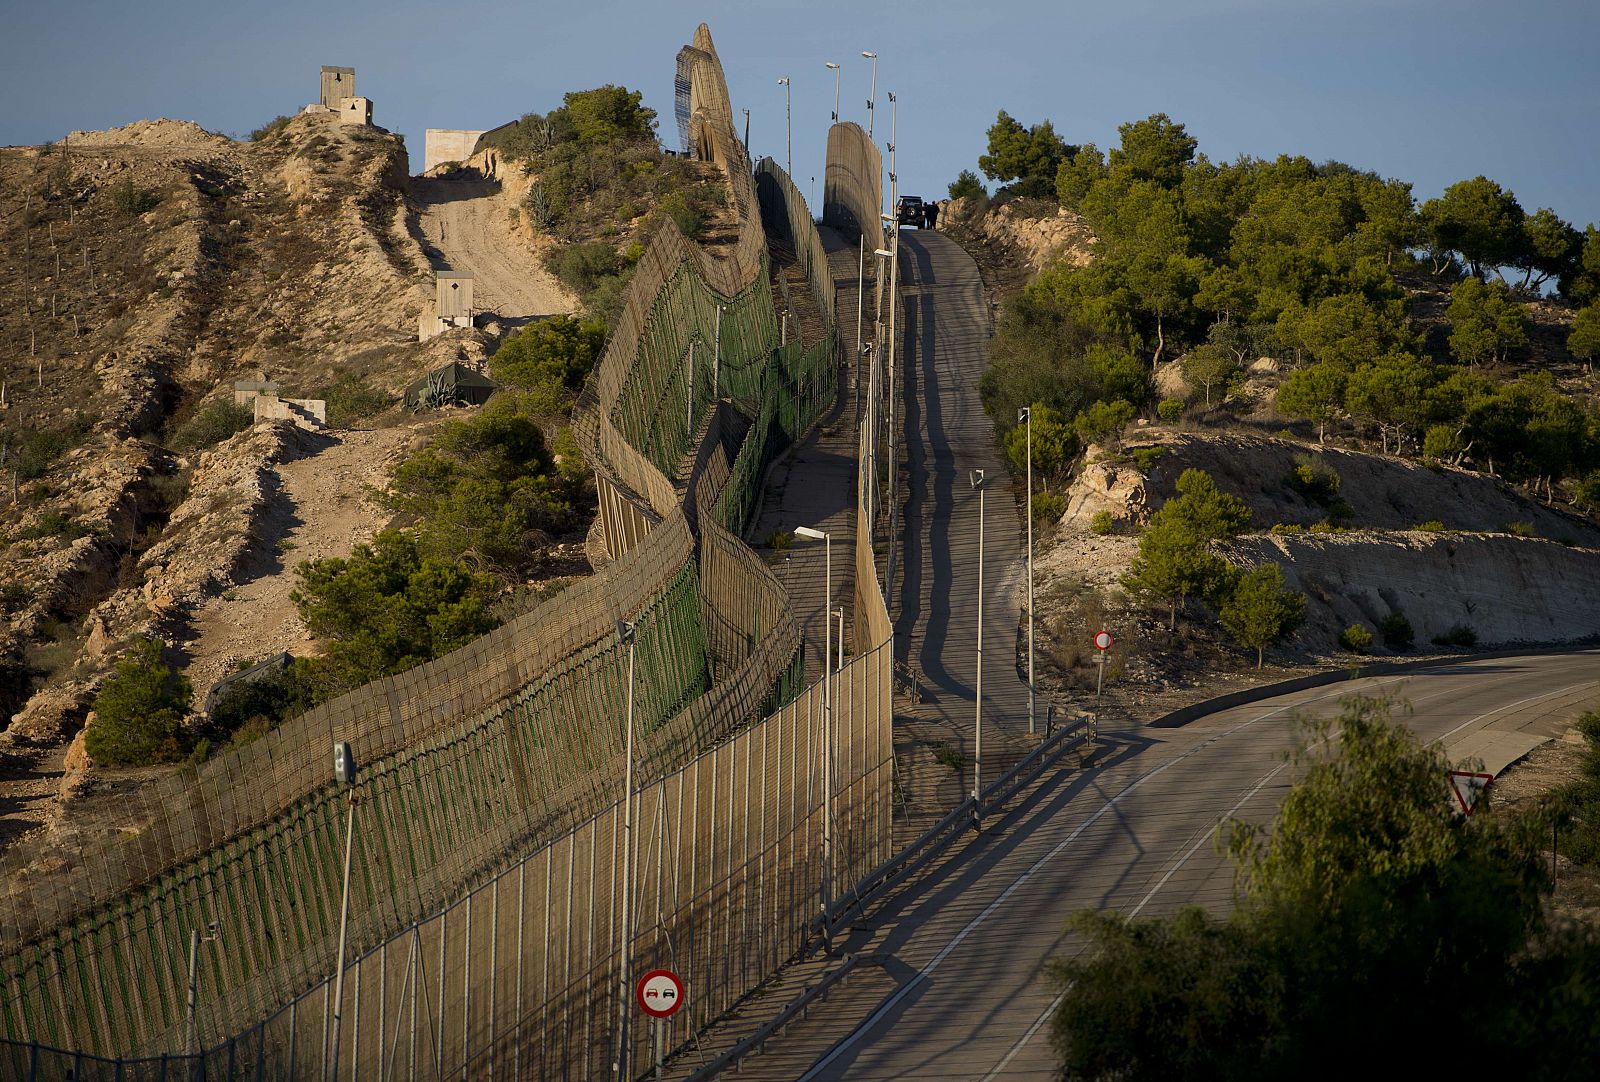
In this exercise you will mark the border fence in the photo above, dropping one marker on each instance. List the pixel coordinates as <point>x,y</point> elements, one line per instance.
<point>486,899</point>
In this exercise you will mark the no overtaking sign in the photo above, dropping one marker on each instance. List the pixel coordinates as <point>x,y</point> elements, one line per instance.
<point>660,993</point>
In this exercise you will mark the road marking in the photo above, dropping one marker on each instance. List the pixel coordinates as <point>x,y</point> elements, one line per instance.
<point>1039,1022</point>
<point>922,975</point>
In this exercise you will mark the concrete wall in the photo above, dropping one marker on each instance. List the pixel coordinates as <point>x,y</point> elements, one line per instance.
<point>311,413</point>
<point>448,145</point>
<point>355,111</point>
<point>337,84</point>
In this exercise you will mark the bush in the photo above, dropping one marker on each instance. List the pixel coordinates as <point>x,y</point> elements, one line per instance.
<point>1432,525</point>
<point>1314,479</point>
<point>551,357</point>
<point>1048,508</point>
<point>1102,523</point>
<point>1282,528</point>
<point>1170,409</point>
<point>388,608</point>
<point>1396,631</point>
<point>270,128</point>
<point>138,711</point>
<point>33,454</point>
<point>1146,457</point>
<point>53,524</point>
<point>248,709</point>
<point>1356,638</point>
<point>690,222</point>
<point>351,400</point>
<point>131,201</point>
<point>211,424</point>
<point>780,540</point>
<point>1459,635</point>
<point>1519,529</point>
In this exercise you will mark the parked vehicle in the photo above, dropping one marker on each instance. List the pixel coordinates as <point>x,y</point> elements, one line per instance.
<point>908,211</point>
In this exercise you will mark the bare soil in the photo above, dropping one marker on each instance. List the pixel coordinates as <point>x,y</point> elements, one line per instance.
<point>321,508</point>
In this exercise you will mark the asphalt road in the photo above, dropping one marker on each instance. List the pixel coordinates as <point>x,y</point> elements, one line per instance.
<point>962,994</point>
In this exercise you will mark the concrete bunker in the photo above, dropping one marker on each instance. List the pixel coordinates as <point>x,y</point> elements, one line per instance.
<point>337,85</point>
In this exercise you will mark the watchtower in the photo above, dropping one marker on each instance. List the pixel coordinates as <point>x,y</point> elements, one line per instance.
<point>337,85</point>
<point>453,297</point>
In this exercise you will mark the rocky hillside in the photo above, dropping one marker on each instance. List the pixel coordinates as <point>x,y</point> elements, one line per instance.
<point>144,270</point>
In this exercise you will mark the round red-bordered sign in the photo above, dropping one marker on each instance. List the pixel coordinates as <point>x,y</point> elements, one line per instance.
<point>1103,640</point>
<point>660,993</point>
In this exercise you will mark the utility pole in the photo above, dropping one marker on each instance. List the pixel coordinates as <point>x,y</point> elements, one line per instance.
<point>344,772</point>
<point>628,634</point>
<point>1025,414</point>
<point>976,478</point>
<point>892,359</point>
<point>814,534</point>
<point>872,95</point>
<point>716,359</point>
<point>191,1027</point>
<point>788,126</point>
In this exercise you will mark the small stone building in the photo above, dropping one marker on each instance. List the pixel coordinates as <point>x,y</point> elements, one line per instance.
<point>337,85</point>
<point>356,111</point>
<point>448,145</point>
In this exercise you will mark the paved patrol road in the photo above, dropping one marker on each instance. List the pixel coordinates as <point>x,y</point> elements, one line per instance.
<point>962,995</point>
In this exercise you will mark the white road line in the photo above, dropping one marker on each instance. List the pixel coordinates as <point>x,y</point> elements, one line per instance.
<point>922,975</point>
<point>1055,1003</point>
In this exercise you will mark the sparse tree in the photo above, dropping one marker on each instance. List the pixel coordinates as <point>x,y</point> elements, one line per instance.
<point>1584,338</point>
<point>1024,158</point>
<point>1314,393</point>
<point>1478,220</point>
<point>1260,610</point>
<point>1207,367</point>
<point>1173,563</point>
<point>1486,321</point>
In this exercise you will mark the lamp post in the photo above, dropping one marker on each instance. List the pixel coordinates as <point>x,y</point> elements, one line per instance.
<point>716,359</point>
<point>628,635</point>
<point>872,95</point>
<point>788,126</point>
<point>838,74</point>
<point>1025,415</point>
<point>893,358</point>
<point>813,534</point>
<point>747,131</point>
<point>344,772</point>
<point>976,477</point>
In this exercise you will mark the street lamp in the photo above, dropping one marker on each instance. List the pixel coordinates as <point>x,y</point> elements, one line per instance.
<point>873,94</point>
<point>976,477</point>
<point>627,635</point>
<point>788,126</point>
<point>838,74</point>
<point>344,772</point>
<point>813,534</point>
<point>1025,415</point>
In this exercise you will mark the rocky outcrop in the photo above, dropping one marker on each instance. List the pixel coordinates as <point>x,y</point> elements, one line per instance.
<point>1506,589</point>
<point>1036,240</point>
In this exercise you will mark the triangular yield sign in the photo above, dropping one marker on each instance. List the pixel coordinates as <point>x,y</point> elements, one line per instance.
<point>1468,786</point>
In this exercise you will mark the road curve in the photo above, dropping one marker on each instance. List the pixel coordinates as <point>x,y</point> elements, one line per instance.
<point>962,994</point>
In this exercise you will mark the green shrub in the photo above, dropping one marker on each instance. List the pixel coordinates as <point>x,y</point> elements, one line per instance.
<point>1441,442</point>
<point>1146,457</point>
<point>248,709</point>
<point>1314,479</point>
<point>388,608</point>
<point>1356,638</point>
<point>131,201</point>
<point>53,524</point>
<point>1048,508</point>
<point>780,540</point>
<point>351,400</point>
<point>1459,635</point>
<point>138,711</point>
<point>1432,525</point>
<point>551,356</point>
<point>1170,409</point>
<point>211,424</point>
<point>1102,522</point>
<point>1283,528</point>
<point>690,222</point>
<point>1396,631</point>
<point>270,128</point>
<point>32,454</point>
<point>1519,529</point>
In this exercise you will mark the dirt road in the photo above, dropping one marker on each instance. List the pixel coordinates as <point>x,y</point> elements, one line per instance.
<point>466,226</point>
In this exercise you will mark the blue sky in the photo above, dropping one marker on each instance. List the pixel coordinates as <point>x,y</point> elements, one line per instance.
<point>1430,91</point>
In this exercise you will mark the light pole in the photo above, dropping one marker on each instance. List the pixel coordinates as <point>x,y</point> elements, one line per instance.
<point>813,534</point>
<point>191,1029</point>
<point>872,95</point>
<point>628,635</point>
<point>1025,415</point>
<point>976,477</point>
<point>788,126</point>
<point>838,74</point>
<point>344,772</point>
<point>747,131</point>
<point>893,359</point>
<point>716,359</point>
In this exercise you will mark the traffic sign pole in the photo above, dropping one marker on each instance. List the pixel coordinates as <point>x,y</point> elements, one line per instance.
<point>1102,643</point>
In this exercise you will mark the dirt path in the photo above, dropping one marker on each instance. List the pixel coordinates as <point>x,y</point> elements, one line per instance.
<point>466,226</point>
<point>320,509</point>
